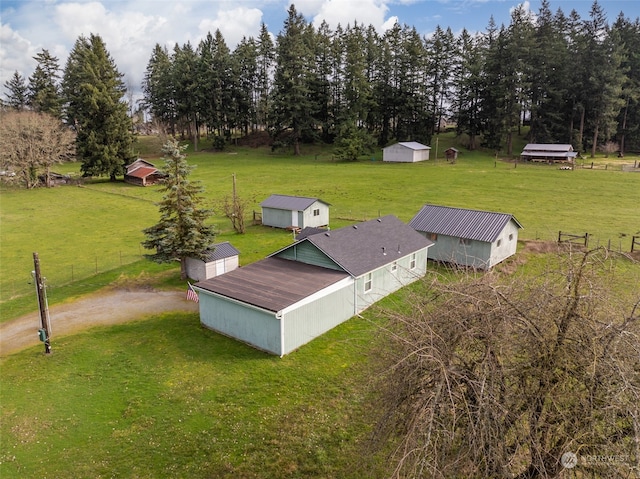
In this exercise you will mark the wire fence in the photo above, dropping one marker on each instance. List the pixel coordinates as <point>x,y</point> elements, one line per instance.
<point>61,273</point>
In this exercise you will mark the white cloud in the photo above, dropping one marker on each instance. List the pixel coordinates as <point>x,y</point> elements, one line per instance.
<point>16,54</point>
<point>234,24</point>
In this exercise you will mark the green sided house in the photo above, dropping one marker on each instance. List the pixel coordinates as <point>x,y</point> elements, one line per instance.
<point>309,287</point>
<point>469,238</point>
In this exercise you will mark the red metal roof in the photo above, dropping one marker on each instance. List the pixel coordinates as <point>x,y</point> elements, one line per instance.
<point>142,172</point>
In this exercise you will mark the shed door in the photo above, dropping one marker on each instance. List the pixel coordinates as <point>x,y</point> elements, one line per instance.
<point>220,267</point>
<point>294,218</point>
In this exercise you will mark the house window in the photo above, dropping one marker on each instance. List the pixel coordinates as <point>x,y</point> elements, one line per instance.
<point>432,236</point>
<point>511,237</point>
<point>367,282</point>
<point>394,266</point>
<point>316,212</point>
<point>499,243</point>
<point>412,264</point>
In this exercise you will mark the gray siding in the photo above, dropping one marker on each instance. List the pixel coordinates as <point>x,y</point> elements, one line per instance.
<point>474,253</point>
<point>452,249</point>
<point>385,281</point>
<point>276,218</point>
<point>280,218</point>
<point>308,321</point>
<point>257,327</point>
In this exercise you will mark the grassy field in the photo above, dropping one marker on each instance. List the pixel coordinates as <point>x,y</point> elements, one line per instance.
<point>166,398</point>
<point>81,231</point>
<point>163,397</point>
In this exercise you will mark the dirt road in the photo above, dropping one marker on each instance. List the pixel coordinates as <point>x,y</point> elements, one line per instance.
<point>98,309</point>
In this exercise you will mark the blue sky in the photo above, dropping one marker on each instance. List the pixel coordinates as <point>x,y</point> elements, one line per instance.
<point>131,28</point>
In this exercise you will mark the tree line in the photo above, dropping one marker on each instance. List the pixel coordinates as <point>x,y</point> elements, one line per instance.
<point>571,80</point>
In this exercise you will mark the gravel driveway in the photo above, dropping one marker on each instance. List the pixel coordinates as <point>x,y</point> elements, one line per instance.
<point>97,309</point>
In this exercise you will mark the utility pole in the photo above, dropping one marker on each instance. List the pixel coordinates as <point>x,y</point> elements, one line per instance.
<point>45,328</point>
<point>234,191</point>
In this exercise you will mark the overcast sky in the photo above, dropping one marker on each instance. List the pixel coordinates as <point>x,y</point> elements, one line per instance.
<point>131,28</point>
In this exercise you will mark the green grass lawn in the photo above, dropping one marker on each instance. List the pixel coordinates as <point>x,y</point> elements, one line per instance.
<point>163,397</point>
<point>81,231</point>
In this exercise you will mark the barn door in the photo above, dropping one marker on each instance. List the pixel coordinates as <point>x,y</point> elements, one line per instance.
<point>294,219</point>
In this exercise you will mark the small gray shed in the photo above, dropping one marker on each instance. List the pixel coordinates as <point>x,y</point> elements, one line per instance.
<point>294,212</point>
<point>309,287</point>
<point>218,259</point>
<point>473,238</point>
<point>406,152</point>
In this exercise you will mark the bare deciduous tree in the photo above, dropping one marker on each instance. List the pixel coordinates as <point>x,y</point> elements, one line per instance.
<point>500,379</point>
<point>31,141</point>
<point>610,147</point>
<point>234,209</point>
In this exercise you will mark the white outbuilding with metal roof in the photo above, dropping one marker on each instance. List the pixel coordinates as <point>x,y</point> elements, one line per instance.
<point>406,152</point>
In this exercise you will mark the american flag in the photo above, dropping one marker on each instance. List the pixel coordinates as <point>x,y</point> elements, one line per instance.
<point>191,293</point>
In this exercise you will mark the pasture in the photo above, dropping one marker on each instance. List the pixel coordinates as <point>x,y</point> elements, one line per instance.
<point>81,231</point>
<point>163,397</point>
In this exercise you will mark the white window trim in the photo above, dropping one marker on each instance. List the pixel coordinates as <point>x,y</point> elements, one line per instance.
<point>368,282</point>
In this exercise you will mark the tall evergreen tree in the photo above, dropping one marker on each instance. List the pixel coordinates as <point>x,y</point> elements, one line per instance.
<point>44,90</point>
<point>467,88</point>
<point>185,80</point>
<point>93,90</point>
<point>321,43</point>
<point>265,60</point>
<point>245,75</point>
<point>158,89</point>
<point>605,80</point>
<point>291,105</point>
<point>546,72</point>
<point>18,93</point>
<point>629,117</point>
<point>181,231</point>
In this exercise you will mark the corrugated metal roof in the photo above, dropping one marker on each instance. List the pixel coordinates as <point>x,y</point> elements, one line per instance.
<point>142,172</point>
<point>461,223</point>
<point>547,147</point>
<point>367,246</point>
<point>414,145</point>
<point>272,283</point>
<point>294,203</point>
<point>220,251</point>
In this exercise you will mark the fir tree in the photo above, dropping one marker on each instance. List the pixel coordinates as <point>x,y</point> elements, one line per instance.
<point>17,98</point>
<point>44,91</point>
<point>93,90</point>
<point>181,231</point>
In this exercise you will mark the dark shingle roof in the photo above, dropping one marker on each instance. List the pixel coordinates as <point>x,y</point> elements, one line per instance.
<point>366,246</point>
<point>461,223</point>
<point>284,202</point>
<point>220,251</point>
<point>272,283</point>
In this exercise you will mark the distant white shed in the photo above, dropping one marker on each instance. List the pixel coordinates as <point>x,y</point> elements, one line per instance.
<point>406,152</point>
